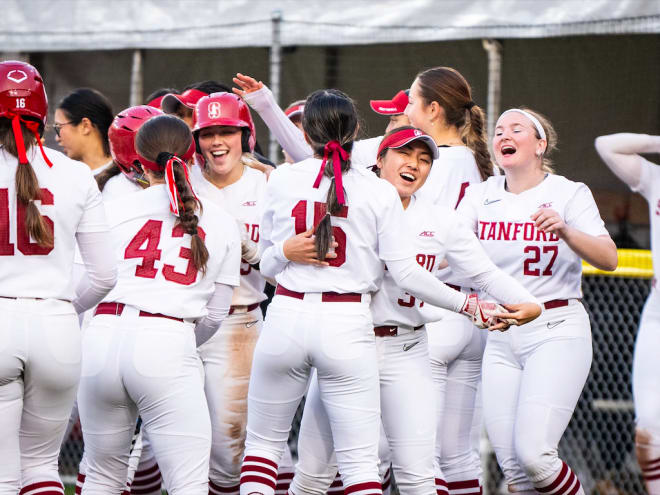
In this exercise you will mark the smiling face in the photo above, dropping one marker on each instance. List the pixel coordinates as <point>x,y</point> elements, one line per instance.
<point>515,143</point>
<point>406,168</point>
<point>222,149</point>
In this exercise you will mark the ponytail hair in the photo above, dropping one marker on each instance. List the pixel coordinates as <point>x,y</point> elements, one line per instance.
<point>162,140</point>
<point>27,185</point>
<point>551,138</point>
<point>330,121</point>
<point>107,174</point>
<point>451,90</point>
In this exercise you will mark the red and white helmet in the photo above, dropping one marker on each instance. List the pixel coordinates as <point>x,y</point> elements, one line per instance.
<point>121,135</point>
<point>225,109</point>
<point>22,91</point>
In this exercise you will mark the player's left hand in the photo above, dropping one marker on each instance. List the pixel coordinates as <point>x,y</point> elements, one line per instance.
<point>301,248</point>
<point>548,220</point>
<point>246,84</point>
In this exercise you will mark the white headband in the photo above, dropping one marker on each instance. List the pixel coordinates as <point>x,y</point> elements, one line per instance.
<point>534,120</point>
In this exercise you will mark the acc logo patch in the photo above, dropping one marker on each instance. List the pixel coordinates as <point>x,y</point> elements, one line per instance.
<point>16,75</point>
<point>214,110</point>
<point>545,205</point>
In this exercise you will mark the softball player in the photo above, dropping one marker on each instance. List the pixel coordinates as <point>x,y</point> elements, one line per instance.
<point>82,120</point>
<point>536,226</point>
<point>320,315</point>
<point>405,158</point>
<point>620,153</point>
<point>176,274</point>
<point>223,132</point>
<point>40,358</point>
<point>125,176</point>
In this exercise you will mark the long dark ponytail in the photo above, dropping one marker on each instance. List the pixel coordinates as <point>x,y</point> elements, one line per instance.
<point>330,117</point>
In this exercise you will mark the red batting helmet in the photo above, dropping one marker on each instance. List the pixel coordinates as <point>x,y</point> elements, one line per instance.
<point>122,137</point>
<point>22,91</point>
<point>225,109</point>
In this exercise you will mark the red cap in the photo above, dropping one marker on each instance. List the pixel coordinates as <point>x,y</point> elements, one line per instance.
<point>395,106</point>
<point>397,139</point>
<point>189,98</point>
<point>295,109</point>
<point>156,102</point>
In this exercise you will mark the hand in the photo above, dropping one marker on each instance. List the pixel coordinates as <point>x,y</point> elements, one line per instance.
<point>301,249</point>
<point>261,167</point>
<point>518,314</point>
<point>548,220</point>
<point>247,84</point>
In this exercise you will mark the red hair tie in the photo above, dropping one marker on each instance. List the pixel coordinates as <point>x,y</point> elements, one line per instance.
<point>33,127</point>
<point>337,151</point>
<point>172,191</point>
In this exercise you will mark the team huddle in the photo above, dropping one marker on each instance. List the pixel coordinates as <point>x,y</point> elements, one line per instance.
<point>422,289</point>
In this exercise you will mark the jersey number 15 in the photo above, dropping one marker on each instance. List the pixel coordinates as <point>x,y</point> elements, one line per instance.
<point>299,213</point>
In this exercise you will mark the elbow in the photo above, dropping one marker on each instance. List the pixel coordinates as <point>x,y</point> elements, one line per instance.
<point>600,143</point>
<point>107,281</point>
<point>610,260</point>
<point>613,262</point>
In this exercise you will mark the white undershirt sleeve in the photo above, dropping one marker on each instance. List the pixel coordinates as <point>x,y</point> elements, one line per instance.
<point>285,131</point>
<point>412,278</point>
<point>218,309</point>
<point>101,269</point>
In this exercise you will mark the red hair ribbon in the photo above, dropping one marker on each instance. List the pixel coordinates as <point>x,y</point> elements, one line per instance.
<point>337,151</point>
<point>172,191</point>
<point>33,127</point>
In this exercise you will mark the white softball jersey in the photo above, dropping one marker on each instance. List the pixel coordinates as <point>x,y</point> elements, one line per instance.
<point>242,200</point>
<point>71,203</point>
<point>541,262</point>
<point>370,226</point>
<point>649,187</point>
<point>118,186</point>
<point>155,270</point>
<point>437,232</point>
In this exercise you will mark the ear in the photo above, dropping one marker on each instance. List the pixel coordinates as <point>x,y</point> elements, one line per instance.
<point>86,126</point>
<point>307,140</point>
<point>434,111</point>
<point>541,146</point>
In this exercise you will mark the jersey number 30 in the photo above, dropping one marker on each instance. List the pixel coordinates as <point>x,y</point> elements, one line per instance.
<point>299,212</point>
<point>150,234</point>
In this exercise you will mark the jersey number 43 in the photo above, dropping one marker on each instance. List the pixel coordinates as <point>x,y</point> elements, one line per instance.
<point>299,213</point>
<point>149,234</point>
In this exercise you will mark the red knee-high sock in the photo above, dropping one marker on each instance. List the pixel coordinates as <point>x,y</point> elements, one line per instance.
<point>563,483</point>
<point>258,475</point>
<point>465,487</point>
<point>147,481</point>
<point>43,488</point>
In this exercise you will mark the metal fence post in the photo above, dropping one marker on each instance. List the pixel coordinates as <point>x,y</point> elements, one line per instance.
<point>494,50</point>
<point>135,97</point>
<point>275,69</point>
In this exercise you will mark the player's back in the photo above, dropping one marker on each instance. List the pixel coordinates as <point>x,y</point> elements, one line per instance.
<point>68,190</point>
<point>367,229</point>
<point>156,272</point>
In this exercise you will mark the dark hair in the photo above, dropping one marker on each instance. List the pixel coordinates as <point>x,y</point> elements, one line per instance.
<point>453,93</point>
<point>160,92</point>
<point>27,185</point>
<point>108,173</point>
<point>393,131</point>
<point>89,103</point>
<point>330,115</point>
<point>157,140</point>
<point>209,87</point>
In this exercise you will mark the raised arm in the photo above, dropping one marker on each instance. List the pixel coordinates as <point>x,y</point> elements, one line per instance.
<point>260,98</point>
<point>620,154</point>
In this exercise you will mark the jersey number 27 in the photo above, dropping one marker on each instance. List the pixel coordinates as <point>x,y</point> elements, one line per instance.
<point>150,234</point>
<point>299,212</point>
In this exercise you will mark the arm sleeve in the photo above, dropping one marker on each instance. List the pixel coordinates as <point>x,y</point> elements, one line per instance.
<point>582,213</point>
<point>468,260</point>
<point>273,260</point>
<point>229,273</point>
<point>101,276</point>
<point>285,131</point>
<point>93,218</point>
<point>620,154</point>
<point>391,224</point>
<point>412,278</point>
<point>218,309</point>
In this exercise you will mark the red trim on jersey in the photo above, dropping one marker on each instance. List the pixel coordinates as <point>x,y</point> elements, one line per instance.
<point>461,194</point>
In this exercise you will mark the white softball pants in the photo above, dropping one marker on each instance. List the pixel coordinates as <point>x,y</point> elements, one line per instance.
<point>456,349</point>
<point>408,417</point>
<point>646,393</point>
<point>148,366</point>
<point>39,373</point>
<point>227,360</point>
<point>337,339</point>
<point>533,376</point>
